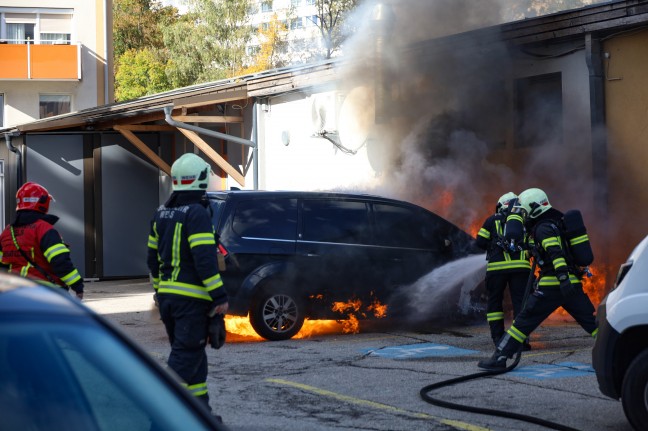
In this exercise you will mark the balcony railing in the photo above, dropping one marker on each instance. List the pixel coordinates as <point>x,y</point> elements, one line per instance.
<point>47,62</point>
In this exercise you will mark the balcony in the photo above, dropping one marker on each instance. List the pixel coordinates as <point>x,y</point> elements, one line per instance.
<point>40,62</point>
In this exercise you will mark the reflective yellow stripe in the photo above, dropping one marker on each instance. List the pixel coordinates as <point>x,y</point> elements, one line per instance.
<point>156,283</point>
<point>198,389</point>
<point>515,333</point>
<point>579,239</point>
<point>484,233</point>
<point>201,239</point>
<point>175,251</point>
<point>559,262</point>
<point>185,289</point>
<point>552,241</point>
<point>498,315</point>
<point>516,217</point>
<point>55,250</point>
<point>213,282</point>
<point>72,277</point>
<point>511,264</point>
<point>552,280</point>
<point>595,333</point>
<point>152,242</point>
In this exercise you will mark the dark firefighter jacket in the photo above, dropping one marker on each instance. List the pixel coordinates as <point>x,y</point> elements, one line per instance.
<point>37,238</point>
<point>499,258</point>
<point>182,250</point>
<point>550,249</point>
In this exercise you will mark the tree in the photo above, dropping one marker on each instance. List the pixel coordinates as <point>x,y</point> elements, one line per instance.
<point>208,42</point>
<point>137,24</point>
<point>331,22</point>
<point>140,73</point>
<point>531,8</point>
<point>272,41</point>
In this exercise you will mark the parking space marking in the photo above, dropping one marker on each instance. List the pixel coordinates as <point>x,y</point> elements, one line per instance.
<point>416,351</point>
<point>553,371</point>
<point>378,406</point>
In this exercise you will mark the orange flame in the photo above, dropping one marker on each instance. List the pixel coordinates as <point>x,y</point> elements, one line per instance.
<point>593,286</point>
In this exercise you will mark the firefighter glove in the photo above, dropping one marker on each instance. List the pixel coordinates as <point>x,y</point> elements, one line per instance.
<point>217,331</point>
<point>566,287</point>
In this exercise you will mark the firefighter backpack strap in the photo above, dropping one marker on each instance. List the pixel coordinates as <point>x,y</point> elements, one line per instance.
<point>32,263</point>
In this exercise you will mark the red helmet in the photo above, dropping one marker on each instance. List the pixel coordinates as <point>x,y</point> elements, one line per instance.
<point>32,196</point>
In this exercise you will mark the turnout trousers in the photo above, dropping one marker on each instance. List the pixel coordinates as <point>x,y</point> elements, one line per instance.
<point>186,323</point>
<point>496,283</point>
<point>539,305</point>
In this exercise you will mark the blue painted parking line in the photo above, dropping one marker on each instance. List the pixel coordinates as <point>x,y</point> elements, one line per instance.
<point>416,351</point>
<point>553,371</point>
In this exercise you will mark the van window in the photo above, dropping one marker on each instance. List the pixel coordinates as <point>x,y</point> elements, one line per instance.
<point>340,221</point>
<point>266,218</point>
<point>398,226</point>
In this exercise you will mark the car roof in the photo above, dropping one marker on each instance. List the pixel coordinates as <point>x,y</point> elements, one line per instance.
<point>229,194</point>
<point>21,295</point>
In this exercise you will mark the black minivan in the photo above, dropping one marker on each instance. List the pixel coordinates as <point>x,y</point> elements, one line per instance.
<point>291,255</point>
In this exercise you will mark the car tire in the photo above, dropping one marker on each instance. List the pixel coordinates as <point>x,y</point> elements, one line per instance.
<point>276,314</point>
<point>634,392</point>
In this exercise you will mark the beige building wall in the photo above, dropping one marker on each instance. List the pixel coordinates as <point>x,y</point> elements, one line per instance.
<point>92,28</point>
<point>626,93</point>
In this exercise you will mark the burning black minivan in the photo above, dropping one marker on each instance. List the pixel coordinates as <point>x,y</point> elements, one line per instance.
<point>292,255</point>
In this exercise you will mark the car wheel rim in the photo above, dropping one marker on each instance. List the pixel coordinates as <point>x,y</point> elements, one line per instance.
<point>280,313</point>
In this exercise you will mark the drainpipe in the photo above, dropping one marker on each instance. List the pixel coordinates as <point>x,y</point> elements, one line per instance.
<point>167,116</point>
<point>18,153</point>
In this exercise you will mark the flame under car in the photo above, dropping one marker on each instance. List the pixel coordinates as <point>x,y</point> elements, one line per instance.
<point>288,256</point>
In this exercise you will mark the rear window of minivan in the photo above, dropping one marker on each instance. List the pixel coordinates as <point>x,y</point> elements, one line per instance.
<point>266,218</point>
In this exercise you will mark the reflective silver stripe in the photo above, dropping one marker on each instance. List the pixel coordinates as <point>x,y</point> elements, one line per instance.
<point>196,390</point>
<point>484,233</point>
<point>72,277</point>
<point>498,315</point>
<point>186,289</point>
<point>213,282</point>
<point>152,242</point>
<point>175,251</point>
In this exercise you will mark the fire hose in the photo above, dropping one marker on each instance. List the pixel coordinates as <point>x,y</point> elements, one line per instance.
<point>425,391</point>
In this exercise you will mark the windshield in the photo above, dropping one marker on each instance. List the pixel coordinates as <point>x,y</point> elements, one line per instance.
<point>70,373</point>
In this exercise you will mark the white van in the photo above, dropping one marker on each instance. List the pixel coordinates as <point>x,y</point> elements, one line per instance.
<point>620,353</point>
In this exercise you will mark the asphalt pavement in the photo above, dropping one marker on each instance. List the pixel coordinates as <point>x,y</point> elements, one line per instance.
<point>372,380</point>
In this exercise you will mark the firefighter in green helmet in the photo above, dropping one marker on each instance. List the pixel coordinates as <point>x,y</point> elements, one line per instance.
<point>182,250</point>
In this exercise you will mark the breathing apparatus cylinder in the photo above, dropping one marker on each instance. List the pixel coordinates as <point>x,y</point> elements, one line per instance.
<point>576,235</point>
<point>514,230</point>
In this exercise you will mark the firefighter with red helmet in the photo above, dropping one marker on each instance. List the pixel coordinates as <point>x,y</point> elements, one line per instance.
<point>508,266</point>
<point>32,247</point>
<point>182,259</point>
<point>558,285</point>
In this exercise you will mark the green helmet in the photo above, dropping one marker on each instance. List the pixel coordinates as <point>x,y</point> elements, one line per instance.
<point>190,172</point>
<point>534,202</point>
<point>504,201</point>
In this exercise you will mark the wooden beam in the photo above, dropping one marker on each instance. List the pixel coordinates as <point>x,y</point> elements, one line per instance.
<point>147,128</point>
<point>210,99</point>
<point>214,156</point>
<point>161,164</point>
<point>208,119</point>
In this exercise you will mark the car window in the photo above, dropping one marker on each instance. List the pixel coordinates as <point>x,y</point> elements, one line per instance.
<point>266,218</point>
<point>68,373</point>
<point>216,207</point>
<point>400,226</point>
<point>339,221</point>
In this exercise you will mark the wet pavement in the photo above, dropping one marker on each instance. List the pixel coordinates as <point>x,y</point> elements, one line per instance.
<point>372,380</point>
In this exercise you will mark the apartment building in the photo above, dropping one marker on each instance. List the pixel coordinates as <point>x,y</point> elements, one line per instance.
<point>300,18</point>
<point>55,58</point>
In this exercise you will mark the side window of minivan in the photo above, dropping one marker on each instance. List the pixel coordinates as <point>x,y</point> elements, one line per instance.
<point>399,226</point>
<point>337,221</point>
<point>266,218</point>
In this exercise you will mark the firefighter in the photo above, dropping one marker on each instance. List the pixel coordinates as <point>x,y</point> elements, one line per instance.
<point>559,282</point>
<point>32,247</point>
<point>508,265</point>
<point>182,260</point>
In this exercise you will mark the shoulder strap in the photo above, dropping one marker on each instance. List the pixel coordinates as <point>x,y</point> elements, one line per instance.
<point>34,264</point>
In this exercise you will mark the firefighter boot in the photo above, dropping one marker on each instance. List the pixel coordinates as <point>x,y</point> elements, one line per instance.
<point>497,362</point>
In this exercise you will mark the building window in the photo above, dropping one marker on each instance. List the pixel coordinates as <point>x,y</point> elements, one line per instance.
<point>311,20</point>
<point>54,104</point>
<point>22,27</point>
<point>296,23</point>
<point>1,110</point>
<point>310,2</point>
<point>539,110</point>
<point>295,3</point>
<point>266,6</point>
